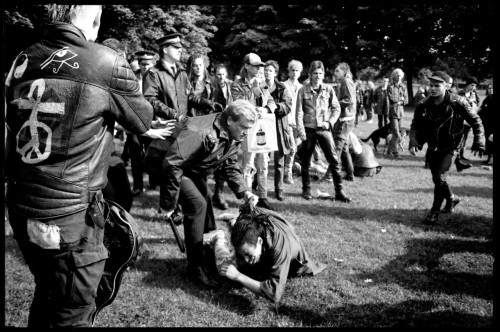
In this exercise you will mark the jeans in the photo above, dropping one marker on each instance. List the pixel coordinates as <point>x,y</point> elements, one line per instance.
<point>66,279</point>
<point>396,136</point>
<point>439,164</point>
<point>289,158</point>
<point>255,163</point>
<point>325,140</point>
<point>198,215</point>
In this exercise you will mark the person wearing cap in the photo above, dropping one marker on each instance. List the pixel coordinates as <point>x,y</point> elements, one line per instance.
<point>250,87</point>
<point>439,121</point>
<point>146,60</point>
<point>166,85</point>
<point>317,112</point>
<point>472,98</point>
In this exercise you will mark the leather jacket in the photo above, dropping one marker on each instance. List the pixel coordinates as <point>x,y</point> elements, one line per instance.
<point>166,92</point>
<point>444,130</point>
<point>199,145</point>
<point>280,96</point>
<point>64,95</point>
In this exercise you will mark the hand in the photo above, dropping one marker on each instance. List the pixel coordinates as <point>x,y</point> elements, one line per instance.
<point>160,123</point>
<point>251,198</point>
<point>478,152</point>
<point>229,271</point>
<point>413,150</point>
<point>159,133</point>
<point>303,137</point>
<point>166,214</point>
<point>261,111</point>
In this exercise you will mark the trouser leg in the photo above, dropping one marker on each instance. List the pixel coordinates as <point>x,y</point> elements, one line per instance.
<point>325,141</point>
<point>439,164</point>
<point>279,167</point>
<point>118,187</point>
<point>308,150</point>
<point>261,165</point>
<point>136,160</point>
<point>396,136</point>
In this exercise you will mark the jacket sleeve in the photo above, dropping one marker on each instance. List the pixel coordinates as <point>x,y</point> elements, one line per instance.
<point>299,113</point>
<point>405,95</point>
<point>231,169</point>
<point>237,91</point>
<point>153,92</point>
<point>473,120</point>
<point>183,149</point>
<point>347,93</point>
<point>415,127</point>
<point>283,104</point>
<point>334,107</point>
<point>127,104</point>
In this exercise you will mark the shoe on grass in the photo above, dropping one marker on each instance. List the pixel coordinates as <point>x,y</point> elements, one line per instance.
<point>431,218</point>
<point>450,205</point>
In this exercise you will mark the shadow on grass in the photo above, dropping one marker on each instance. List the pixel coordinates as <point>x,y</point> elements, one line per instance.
<point>422,268</point>
<point>411,313</point>
<point>461,191</point>
<point>457,223</point>
<point>12,247</point>
<point>171,273</point>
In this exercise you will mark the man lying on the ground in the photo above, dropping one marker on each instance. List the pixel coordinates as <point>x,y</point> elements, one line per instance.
<point>267,251</point>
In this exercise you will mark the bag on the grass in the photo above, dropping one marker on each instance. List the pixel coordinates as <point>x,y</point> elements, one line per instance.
<point>262,136</point>
<point>123,242</point>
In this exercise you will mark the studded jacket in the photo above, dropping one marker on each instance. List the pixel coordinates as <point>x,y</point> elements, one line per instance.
<point>64,95</point>
<point>443,130</point>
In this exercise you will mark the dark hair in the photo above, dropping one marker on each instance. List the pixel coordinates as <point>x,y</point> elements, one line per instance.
<point>251,223</point>
<point>315,65</point>
<point>219,66</point>
<point>273,64</point>
<point>60,13</point>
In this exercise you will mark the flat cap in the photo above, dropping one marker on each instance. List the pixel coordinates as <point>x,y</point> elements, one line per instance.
<point>172,39</point>
<point>144,55</point>
<point>440,76</point>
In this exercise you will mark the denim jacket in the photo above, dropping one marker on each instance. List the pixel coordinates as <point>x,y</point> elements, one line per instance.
<point>316,110</point>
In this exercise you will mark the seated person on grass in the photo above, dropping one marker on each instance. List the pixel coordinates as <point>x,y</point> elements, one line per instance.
<point>268,251</point>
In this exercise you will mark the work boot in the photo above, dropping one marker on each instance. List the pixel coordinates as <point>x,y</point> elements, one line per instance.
<point>264,203</point>
<point>461,165</point>
<point>349,177</point>
<point>450,204</point>
<point>279,195</point>
<point>219,202</point>
<point>341,196</point>
<point>306,194</point>
<point>431,218</point>
<point>199,275</point>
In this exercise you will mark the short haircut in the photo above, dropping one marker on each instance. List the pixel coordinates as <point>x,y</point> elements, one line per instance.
<point>65,13</point>
<point>220,66</point>
<point>345,68</point>
<point>238,109</point>
<point>295,64</point>
<point>273,64</point>
<point>317,64</point>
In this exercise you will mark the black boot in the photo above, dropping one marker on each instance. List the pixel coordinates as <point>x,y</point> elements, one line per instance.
<point>450,204</point>
<point>461,165</point>
<point>264,203</point>
<point>219,202</point>
<point>279,195</point>
<point>341,196</point>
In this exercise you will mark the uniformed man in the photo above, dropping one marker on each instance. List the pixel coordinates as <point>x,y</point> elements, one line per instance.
<point>146,60</point>
<point>166,85</point>
<point>199,146</point>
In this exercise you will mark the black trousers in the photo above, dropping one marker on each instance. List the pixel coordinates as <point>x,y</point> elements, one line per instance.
<point>439,164</point>
<point>219,182</point>
<point>66,279</point>
<point>383,120</point>
<point>324,138</point>
<point>194,197</point>
<point>118,187</point>
<point>136,152</point>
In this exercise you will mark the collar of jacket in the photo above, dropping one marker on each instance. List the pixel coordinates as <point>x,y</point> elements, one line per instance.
<point>308,87</point>
<point>63,31</point>
<point>178,65</point>
<point>221,128</point>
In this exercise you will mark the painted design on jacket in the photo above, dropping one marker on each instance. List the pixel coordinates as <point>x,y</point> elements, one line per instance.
<point>59,58</point>
<point>31,152</point>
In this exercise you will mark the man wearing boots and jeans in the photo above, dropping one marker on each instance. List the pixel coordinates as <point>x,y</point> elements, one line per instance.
<point>439,121</point>
<point>64,94</point>
<point>317,111</point>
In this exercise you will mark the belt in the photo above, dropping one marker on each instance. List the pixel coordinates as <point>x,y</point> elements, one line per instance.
<point>346,118</point>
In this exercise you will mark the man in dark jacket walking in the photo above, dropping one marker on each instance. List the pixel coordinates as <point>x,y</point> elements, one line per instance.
<point>64,94</point>
<point>439,121</point>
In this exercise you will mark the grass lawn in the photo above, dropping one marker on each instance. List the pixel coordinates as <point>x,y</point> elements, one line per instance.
<point>385,268</point>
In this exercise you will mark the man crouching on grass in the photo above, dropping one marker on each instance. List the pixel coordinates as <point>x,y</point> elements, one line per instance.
<point>439,121</point>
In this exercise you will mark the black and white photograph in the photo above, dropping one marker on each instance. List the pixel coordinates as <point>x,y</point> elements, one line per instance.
<point>261,164</point>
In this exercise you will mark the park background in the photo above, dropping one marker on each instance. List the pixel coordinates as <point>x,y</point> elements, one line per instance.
<point>386,269</point>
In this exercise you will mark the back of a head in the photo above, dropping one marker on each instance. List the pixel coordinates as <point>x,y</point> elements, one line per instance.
<point>85,17</point>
